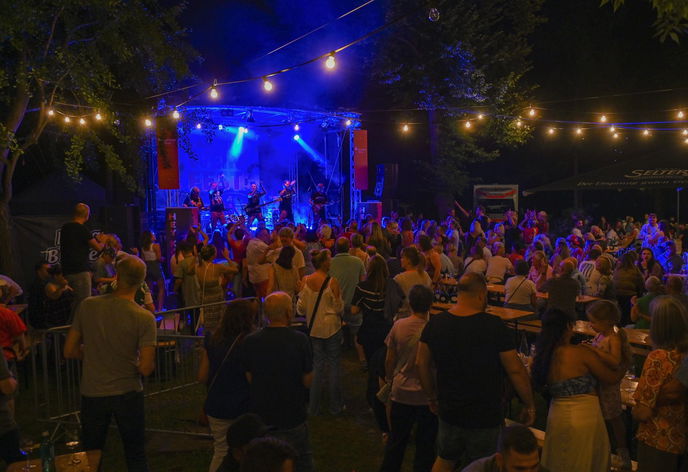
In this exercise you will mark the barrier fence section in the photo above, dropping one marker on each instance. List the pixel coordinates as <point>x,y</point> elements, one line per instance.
<point>173,396</point>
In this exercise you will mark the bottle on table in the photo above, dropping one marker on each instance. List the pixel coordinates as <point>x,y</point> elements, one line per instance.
<point>47,451</point>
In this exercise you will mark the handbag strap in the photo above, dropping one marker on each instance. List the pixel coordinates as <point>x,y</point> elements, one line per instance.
<point>317,303</point>
<point>514,292</point>
<point>217,372</point>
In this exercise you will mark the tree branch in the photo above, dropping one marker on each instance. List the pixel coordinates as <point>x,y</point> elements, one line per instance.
<point>52,33</point>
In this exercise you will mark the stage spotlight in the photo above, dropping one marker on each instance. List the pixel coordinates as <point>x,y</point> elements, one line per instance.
<point>347,123</point>
<point>220,127</point>
<point>297,127</point>
<point>198,126</point>
<point>175,114</point>
<point>267,85</point>
<point>296,137</point>
<point>243,130</point>
<point>330,62</point>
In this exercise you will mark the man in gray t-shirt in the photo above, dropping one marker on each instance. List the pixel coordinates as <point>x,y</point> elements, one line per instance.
<point>116,339</point>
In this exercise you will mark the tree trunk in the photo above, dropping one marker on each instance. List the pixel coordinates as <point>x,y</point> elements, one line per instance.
<point>7,262</point>
<point>443,197</point>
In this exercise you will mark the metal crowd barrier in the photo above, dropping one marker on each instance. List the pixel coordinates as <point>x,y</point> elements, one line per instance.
<point>173,396</point>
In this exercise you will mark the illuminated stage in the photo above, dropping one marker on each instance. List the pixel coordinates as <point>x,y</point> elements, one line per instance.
<point>265,146</point>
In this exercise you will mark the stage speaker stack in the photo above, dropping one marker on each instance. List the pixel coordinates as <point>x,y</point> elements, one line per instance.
<point>371,207</point>
<point>177,223</point>
<point>124,221</point>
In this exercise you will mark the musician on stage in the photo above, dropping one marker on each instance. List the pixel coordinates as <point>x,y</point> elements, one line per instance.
<point>253,207</point>
<point>286,200</point>
<point>217,205</point>
<point>193,199</point>
<point>319,201</point>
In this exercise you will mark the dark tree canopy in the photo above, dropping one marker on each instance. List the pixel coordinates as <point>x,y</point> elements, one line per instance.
<point>473,58</point>
<point>81,57</point>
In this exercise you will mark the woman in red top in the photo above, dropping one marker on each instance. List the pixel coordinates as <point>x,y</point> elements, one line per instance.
<point>237,240</point>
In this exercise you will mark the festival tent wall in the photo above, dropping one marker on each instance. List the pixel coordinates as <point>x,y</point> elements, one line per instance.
<point>656,170</point>
<point>39,212</point>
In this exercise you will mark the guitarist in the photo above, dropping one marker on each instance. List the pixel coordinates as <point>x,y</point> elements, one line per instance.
<point>286,199</point>
<point>253,207</point>
<point>319,201</point>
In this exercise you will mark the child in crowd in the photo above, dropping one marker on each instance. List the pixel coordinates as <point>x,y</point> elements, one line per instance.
<point>611,344</point>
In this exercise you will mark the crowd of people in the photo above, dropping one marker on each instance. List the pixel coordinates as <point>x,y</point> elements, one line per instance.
<point>295,298</point>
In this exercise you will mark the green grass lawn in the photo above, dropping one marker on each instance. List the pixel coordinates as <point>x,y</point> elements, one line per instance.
<point>345,443</point>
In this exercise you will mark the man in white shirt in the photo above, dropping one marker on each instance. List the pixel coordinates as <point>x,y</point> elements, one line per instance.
<point>498,266</point>
<point>256,260</point>
<point>286,238</point>
<point>649,233</point>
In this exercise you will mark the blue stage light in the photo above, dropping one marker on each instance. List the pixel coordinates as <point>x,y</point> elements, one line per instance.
<point>296,137</point>
<point>297,127</point>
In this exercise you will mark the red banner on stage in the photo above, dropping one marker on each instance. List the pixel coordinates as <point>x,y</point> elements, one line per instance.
<point>361,159</point>
<point>168,158</point>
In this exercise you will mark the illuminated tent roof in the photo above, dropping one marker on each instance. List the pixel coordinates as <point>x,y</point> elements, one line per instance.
<point>656,170</point>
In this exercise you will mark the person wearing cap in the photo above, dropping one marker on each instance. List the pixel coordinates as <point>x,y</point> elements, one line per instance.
<point>245,429</point>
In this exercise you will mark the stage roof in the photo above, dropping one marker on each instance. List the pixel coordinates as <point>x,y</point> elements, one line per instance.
<point>655,170</point>
<point>263,117</point>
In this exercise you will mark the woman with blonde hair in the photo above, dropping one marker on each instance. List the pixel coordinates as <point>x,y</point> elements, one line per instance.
<point>320,301</point>
<point>540,270</point>
<point>210,277</point>
<point>662,431</point>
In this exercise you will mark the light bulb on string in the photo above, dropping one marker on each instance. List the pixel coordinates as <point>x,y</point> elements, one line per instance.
<point>684,132</point>
<point>646,132</point>
<point>267,85</point>
<point>519,123</point>
<point>615,135</point>
<point>175,114</point>
<point>213,91</point>
<point>551,131</point>
<point>220,127</point>
<point>297,127</point>
<point>330,62</point>
<point>680,115</point>
<point>66,119</point>
<point>531,112</point>
<point>51,112</point>
<point>579,131</point>
<point>198,126</point>
<point>603,118</point>
<point>405,128</point>
<point>481,116</point>
<point>612,129</point>
<point>467,124</point>
<point>98,117</point>
<point>82,122</point>
<point>148,122</point>
<point>685,141</point>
